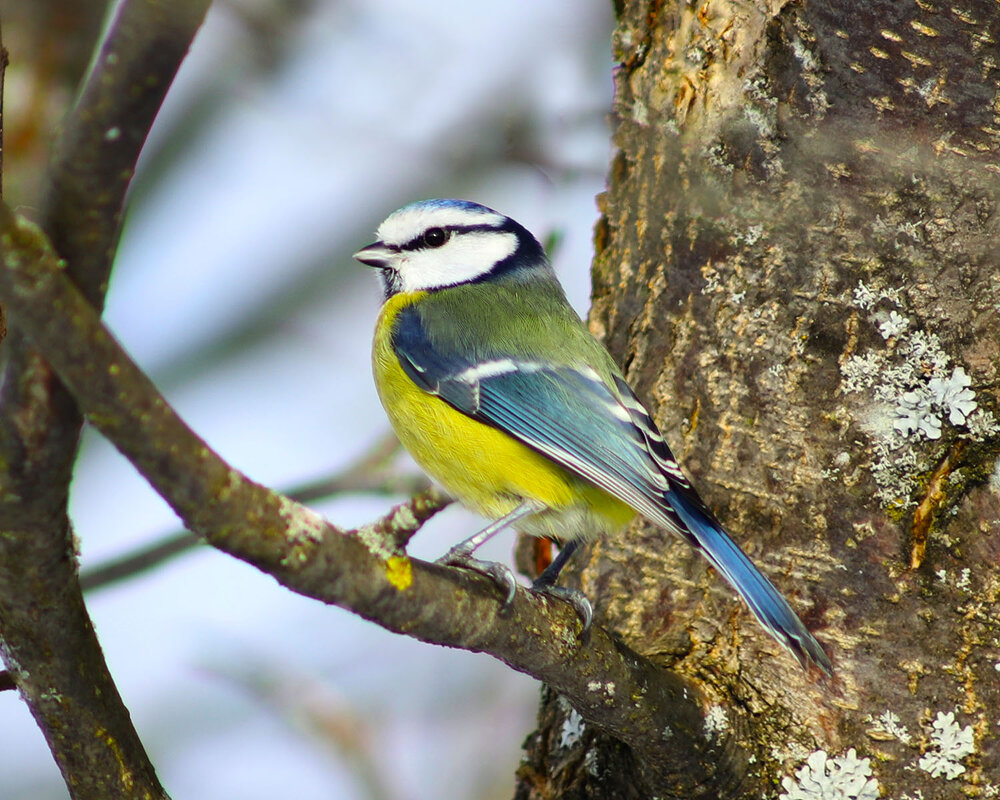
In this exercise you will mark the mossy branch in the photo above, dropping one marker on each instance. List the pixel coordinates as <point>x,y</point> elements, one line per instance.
<point>49,645</point>
<point>658,714</point>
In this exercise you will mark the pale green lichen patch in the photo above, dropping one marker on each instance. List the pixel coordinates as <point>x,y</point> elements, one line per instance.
<point>888,727</point>
<point>823,777</point>
<point>849,778</point>
<point>914,393</point>
<point>404,518</point>
<point>606,689</point>
<point>716,721</point>
<point>379,539</point>
<point>376,542</point>
<point>950,743</point>
<point>573,727</point>
<point>304,524</point>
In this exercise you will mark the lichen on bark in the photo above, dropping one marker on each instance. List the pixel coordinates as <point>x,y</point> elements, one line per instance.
<point>770,159</point>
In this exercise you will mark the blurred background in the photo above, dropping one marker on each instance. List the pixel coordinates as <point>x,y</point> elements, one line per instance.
<point>293,129</point>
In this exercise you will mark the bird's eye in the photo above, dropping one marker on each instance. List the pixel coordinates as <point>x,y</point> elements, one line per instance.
<point>435,237</point>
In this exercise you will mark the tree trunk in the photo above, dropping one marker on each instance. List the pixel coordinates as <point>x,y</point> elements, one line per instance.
<point>796,267</point>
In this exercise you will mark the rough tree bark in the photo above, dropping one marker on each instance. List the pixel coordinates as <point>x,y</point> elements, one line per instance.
<point>796,266</point>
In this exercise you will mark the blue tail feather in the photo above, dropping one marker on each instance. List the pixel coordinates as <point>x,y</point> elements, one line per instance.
<point>764,600</point>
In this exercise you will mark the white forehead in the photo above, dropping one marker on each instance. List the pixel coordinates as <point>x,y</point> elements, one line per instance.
<point>408,223</point>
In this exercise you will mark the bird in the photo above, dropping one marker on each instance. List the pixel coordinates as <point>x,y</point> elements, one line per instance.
<point>502,395</point>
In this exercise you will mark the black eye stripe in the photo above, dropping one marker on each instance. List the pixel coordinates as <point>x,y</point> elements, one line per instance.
<point>420,242</point>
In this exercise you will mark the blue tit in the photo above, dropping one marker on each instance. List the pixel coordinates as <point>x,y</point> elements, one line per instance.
<point>503,396</point>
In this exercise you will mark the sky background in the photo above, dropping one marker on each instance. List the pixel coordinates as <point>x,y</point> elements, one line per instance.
<point>292,130</point>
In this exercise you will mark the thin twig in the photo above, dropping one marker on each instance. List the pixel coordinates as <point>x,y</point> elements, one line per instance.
<point>311,707</point>
<point>354,478</point>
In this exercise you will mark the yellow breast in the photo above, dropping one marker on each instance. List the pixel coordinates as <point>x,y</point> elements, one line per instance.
<point>487,470</point>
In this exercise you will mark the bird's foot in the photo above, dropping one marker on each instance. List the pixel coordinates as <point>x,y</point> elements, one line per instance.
<point>576,598</point>
<point>499,573</point>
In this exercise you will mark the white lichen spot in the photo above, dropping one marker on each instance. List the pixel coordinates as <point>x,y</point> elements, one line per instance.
<point>804,55</point>
<point>591,763</point>
<point>954,396</point>
<point>403,517</point>
<point>572,729</point>
<point>845,777</point>
<point>640,113</point>
<point>982,425</point>
<point>914,392</point>
<point>304,524</point>
<point>760,110</point>
<point>916,413</point>
<point>925,353</point>
<point>713,284</point>
<point>716,721</point>
<point>864,297</point>
<point>593,686</point>
<point>964,579</point>
<point>376,543</point>
<point>890,726</point>
<point>951,744</point>
<point>861,372</point>
<point>696,55</point>
<point>942,575</point>
<point>893,325</point>
<point>752,233</point>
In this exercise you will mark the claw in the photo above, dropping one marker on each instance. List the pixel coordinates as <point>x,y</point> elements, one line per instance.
<point>499,573</point>
<point>577,599</point>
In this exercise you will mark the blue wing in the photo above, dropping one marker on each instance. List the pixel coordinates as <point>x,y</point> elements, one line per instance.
<point>604,435</point>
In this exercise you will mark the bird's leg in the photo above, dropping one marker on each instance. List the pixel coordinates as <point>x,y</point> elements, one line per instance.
<point>551,573</point>
<point>461,554</point>
<point>546,583</point>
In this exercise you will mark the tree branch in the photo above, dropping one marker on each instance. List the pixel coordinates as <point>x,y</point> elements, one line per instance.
<point>658,714</point>
<point>400,524</point>
<point>49,645</point>
<point>4,61</point>
<point>364,475</point>
<point>93,161</point>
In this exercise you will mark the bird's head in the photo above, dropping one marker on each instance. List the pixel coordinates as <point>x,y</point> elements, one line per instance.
<point>435,244</point>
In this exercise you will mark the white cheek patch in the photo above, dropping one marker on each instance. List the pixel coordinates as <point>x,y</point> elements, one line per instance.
<point>464,257</point>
